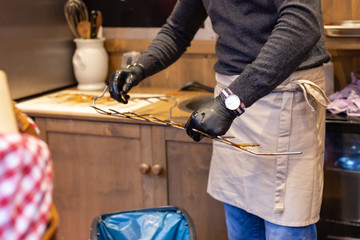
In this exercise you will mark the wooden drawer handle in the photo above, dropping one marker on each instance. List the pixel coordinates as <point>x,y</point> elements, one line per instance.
<point>144,168</point>
<point>156,169</point>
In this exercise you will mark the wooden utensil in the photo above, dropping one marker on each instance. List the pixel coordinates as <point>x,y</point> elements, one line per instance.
<point>99,21</point>
<point>84,29</point>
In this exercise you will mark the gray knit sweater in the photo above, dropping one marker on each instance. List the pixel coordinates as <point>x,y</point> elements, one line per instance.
<point>262,41</point>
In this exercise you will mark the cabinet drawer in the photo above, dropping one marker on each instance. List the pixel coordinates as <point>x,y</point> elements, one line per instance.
<point>89,127</point>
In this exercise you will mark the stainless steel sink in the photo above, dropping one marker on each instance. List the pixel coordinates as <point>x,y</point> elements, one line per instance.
<point>192,104</point>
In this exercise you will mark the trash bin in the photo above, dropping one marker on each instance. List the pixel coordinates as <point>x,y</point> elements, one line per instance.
<point>160,223</point>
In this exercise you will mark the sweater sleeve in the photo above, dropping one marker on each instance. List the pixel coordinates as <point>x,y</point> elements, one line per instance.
<point>295,34</point>
<point>174,37</point>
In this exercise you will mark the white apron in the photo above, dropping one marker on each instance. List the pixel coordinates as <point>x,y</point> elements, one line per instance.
<point>285,190</point>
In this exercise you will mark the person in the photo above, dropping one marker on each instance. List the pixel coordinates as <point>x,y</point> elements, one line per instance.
<point>26,176</point>
<point>269,90</point>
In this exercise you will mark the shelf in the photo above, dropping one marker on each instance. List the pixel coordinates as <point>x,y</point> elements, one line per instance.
<point>343,43</point>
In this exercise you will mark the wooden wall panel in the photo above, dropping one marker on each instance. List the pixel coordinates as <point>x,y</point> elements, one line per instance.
<point>191,67</point>
<point>338,10</point>
<point>195,65</point>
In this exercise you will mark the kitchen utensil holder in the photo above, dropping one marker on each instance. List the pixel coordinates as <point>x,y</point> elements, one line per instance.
<point>90,63</point>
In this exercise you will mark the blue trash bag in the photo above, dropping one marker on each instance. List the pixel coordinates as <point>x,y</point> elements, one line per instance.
<point>161,223</point>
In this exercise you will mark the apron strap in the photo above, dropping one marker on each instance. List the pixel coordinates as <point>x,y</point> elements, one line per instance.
<point>309,88</point>
<point>283,145</point>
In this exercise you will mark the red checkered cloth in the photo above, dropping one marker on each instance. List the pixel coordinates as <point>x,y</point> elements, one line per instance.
<point>26,183</point>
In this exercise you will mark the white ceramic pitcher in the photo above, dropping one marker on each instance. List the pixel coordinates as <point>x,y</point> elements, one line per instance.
<point>90,62</point>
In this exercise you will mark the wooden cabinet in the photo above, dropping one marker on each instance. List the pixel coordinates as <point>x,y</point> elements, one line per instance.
<point>97,170</point>
<point>187,168</point>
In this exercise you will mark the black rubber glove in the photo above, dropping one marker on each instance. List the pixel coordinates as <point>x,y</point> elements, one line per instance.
<point>121,81</point>
<point>212,118</point>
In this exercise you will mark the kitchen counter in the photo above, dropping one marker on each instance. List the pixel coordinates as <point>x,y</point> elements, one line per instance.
<point>76,104</point>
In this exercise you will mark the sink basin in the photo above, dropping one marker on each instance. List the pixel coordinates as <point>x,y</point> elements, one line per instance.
<point>192,104</point>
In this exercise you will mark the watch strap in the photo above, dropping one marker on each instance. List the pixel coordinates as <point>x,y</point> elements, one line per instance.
<point>139,67</point>
<point>225,93</point>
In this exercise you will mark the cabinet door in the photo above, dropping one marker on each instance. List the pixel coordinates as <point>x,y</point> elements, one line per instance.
<point>188,168</point>
<point>96,170</point>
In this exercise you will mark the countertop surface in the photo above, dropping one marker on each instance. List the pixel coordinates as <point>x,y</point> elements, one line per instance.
<point>162,103</point>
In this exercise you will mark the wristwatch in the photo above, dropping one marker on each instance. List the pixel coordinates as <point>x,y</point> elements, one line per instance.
<point>232,101</point>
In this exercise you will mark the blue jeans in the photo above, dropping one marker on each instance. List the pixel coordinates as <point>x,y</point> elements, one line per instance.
<point>242,225</point>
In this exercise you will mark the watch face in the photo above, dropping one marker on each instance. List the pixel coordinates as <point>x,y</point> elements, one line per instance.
<point>232,102</point>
